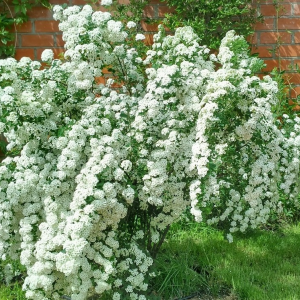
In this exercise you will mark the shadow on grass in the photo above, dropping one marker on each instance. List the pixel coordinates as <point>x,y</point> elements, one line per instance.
<point>260,265</point>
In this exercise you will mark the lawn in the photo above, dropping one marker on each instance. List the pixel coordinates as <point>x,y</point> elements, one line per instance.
<point>259,265</point>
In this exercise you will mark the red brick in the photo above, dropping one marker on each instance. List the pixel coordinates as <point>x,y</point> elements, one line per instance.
<point>263,51</point>
<point>148,11</point>
<point>117,85</point>
<point>25,27</point>
<point>274,63</point>
<point>59,1</point>
<point>79,2</point>
<point>295,92</point>
<point>291,102</point>
<point>267,24</point>
<point>129,13</point>
<point>149,39</point>
<point>56,51</point>
<point>37,40</point>
<point>149,27</point>
<point>288,23</point>
<point>292,78</point>
<point>39,13</point>
<point>100,80</point>
<point>95,6</point>
<point>296,108</point>
<point>24,52</point>
<point>296,62</point>
<point>265,1</point>
<point>289,51</point>
<point>270,9</point>
<point>296,9</point>
<point>46,26</point>
<point>274,37</point>
<point>59,40</point>
<point>252,39</point>
<point>103,9</point>
<point>297,37</point>
<point>162,10</point>
<point>105,71</point>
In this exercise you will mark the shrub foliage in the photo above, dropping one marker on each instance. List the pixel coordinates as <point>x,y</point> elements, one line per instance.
<point>103,170</point>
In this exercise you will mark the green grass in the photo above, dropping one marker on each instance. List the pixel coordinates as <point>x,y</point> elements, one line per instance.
<point>260,265</point>
<point>12,292</point>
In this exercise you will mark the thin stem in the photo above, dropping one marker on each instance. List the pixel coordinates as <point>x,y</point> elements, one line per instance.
<point>16,31</point>
<point>161,240</point>
<point>278,38</point>
<point>122,69</point>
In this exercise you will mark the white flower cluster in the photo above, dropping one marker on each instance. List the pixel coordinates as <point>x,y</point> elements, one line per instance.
<point>106,2</point>
<point>242,156</point>
<point>103,171</point>
<point>47,55</point>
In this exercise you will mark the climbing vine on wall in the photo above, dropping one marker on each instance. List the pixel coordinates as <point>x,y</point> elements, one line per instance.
<point>13,13</point>
<point>212,19</point>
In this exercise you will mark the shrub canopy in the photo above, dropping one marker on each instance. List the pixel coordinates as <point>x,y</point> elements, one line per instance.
<point>102,171</point>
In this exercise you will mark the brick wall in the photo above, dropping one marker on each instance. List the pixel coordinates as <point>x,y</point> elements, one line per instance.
<point>278,36</point>
<point>41,31</point>
<point>277,39</point>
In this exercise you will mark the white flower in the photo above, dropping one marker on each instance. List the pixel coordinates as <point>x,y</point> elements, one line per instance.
<point>131,24</point>
<point>229,238</point>
<point>47,55</point>
<point>126,165</point>
<point>116,296</point>
<point>128,194</point>
<point>2,126</point>
<point>106,2</point>
<point>113,26</point>
<point>139,37</point>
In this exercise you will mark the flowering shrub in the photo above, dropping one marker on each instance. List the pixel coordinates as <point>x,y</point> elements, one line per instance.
<point>104,170</point>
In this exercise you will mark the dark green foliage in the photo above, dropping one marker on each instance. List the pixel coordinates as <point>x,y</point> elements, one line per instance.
<point>212,19</point>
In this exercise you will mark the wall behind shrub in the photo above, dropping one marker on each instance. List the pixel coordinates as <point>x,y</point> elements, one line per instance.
<point>278,36</point>
<point>41,31</point>
<point>277,39</point>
